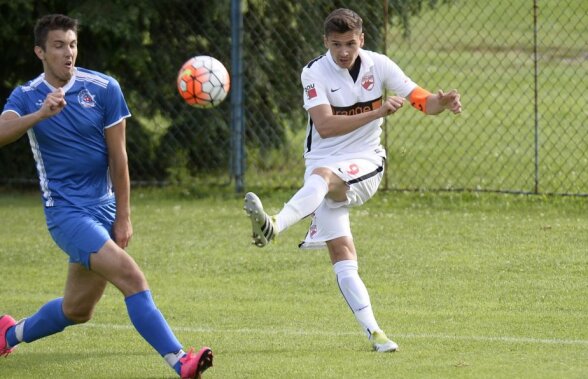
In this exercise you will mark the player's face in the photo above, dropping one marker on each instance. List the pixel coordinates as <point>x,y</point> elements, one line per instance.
<point>344,47</point>
<point>59,56</point>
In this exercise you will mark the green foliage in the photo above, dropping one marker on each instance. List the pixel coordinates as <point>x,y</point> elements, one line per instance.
<point>144,147</point>
<point>127,40</point>
<point>143,44</point>
<point>196,137</point>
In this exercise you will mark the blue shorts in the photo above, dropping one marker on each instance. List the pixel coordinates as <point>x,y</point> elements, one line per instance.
<point>81,231</point>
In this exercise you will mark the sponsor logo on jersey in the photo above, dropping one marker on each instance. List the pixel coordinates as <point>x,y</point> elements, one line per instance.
<point>358,108</point>
<point>310,91</point>
<point>86,99</point>
<point>367,81</point>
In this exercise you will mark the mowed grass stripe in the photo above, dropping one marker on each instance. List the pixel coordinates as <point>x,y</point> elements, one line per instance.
<point>323,333</point>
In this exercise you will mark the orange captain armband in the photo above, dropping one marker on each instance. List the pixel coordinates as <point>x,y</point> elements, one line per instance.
<point>418,99</point>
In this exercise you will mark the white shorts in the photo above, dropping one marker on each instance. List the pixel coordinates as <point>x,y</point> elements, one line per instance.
<point>331,219</point>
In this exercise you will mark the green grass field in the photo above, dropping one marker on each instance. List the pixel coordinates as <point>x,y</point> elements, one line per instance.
<point>469,286</point>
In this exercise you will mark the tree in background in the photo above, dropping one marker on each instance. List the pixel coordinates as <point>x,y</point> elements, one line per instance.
<point>143,44</point>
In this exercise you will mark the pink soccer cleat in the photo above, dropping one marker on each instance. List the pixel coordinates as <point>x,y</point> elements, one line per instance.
<point>193,365</point>
<point>5,323</point>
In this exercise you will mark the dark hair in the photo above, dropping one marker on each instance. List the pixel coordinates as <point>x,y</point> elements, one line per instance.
<point>53,22</point>
<point>342,21</point>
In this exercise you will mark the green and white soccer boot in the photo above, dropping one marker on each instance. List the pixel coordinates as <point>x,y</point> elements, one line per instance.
<point>261,223</point>
<point>382,344</point>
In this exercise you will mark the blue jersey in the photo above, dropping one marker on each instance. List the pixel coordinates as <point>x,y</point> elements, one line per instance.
<point>70,148</point>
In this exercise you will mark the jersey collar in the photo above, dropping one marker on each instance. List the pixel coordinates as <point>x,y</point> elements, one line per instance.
<point>65,87</point>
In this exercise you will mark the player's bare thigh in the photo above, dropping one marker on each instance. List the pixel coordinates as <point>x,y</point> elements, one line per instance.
<point>119,268</point>
<point>337,187</point>
<point>84,287</point>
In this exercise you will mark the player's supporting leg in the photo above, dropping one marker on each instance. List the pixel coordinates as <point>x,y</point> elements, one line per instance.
<point>355,293</point>
<point>121,270</point>
<point>303,203</point>
<point>153,327</point>
<point>48,320</point>
<point>194,364</point>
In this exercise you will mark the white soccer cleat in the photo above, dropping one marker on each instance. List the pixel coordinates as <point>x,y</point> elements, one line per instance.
<point>261,224</point>
<point>383,344</point>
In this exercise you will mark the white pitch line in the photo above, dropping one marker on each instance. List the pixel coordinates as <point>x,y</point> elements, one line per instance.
<point>300,332</point>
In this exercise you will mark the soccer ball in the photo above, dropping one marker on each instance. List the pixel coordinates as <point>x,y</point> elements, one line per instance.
<point>203,81</point>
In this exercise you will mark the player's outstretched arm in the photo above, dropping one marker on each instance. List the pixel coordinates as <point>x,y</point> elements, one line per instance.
<point>437,103</point>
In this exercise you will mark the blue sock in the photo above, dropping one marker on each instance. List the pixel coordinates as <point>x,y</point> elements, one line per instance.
<point>178,368</point>
<point>151,324</point>
<point>48,320</point>
<point>11,338</point>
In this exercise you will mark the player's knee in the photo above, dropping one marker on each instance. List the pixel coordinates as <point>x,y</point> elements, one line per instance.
<point>337,187</point>
<point>131,280</point>
<point>322,171</point>
<point>341,249</point>
<point>329,176</point>
<point>79,314</point>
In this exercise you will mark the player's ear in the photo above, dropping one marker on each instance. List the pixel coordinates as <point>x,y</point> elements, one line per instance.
<point>361,40</point>
<point>325,42</point>
<point>39,52</point>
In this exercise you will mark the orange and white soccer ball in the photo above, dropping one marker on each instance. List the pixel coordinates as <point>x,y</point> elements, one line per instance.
<point>203,81</point>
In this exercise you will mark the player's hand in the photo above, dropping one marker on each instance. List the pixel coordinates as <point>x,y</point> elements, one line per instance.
<point>391,105</point>
<point>122,230</point>
<point>450,100</point>
<point>54,103</point>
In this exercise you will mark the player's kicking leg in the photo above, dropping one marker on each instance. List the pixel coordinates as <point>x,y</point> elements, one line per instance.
<point>261,223</point>
<point>302,204</point>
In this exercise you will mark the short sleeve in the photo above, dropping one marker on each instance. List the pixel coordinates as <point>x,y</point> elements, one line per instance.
<point>15,103</point>
<point>395,79</point>
<point>116,107</point>
<point>314,89</point>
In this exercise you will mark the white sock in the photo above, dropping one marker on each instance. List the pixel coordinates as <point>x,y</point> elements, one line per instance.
<point>19,330</point>
<point>173,358</point>
<point>356,295</point>
<point>303,203</point>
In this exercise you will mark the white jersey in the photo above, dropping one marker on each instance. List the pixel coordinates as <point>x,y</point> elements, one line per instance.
<point>325,82</point>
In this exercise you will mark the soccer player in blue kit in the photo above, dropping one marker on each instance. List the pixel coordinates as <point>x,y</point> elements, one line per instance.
<point>75,121</point>
<point>344,98</point>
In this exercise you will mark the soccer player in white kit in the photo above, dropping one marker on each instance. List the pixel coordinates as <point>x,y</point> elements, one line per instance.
<point>343,95</point>
<point>75,121</point>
